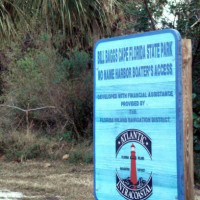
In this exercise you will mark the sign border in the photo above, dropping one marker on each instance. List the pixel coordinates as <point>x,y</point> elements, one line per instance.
<point>179,103</point>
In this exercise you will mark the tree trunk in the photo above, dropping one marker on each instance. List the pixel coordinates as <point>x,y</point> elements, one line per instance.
<point>150,15</point>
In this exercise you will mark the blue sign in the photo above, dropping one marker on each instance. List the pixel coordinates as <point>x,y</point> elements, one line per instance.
<point>138,128</point>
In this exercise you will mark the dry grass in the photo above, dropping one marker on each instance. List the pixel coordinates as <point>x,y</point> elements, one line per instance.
<point>197,194</point>
<point>60,179</point>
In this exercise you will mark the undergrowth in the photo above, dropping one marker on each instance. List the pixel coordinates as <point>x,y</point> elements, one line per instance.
<point>22,146</point>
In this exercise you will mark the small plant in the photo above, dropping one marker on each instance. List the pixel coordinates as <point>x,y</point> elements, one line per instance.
<point>88,158</point>
<point>81,157</point>
<point>20,145</point>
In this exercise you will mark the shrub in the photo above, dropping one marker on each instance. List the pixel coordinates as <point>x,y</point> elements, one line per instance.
<point>41,77</point>
<point>20,145</point>
<point>82,152</point>
<point>81,157</point>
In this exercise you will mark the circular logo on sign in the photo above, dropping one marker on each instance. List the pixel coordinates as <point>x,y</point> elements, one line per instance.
<point>134,155</point>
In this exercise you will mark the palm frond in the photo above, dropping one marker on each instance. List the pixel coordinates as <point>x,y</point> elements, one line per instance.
<point>10,15</point>
<point>68,15</point>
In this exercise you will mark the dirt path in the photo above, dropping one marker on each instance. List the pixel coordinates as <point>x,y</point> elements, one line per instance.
<point>197,194</point>
<point>41,180</point>
<point>37,180</point>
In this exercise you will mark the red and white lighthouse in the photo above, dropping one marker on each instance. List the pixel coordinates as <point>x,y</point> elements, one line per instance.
<point>133,166</point>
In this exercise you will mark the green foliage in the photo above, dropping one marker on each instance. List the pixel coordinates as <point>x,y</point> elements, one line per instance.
<point>27,78</point>
<point>196,117</point>
<point>81,157</point>
<point>66,136</point>
<point>138,14</point>
<point>10,16</point>
<point>69,16</point>
<point>23,146</point>
<point>42,77</point>
<point>75,64</point>
<point>197,166</point>
<point>74,19</point>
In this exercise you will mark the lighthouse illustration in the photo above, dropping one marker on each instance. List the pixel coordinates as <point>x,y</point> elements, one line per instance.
<point>131,182</point>
<point>133,167</point>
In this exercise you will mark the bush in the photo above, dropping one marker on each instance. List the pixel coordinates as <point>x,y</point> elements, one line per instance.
<point>41,77</point>
<point>81,157</point>
<point>19,145</point>
<point>197,167</point>
<point>22,145</point>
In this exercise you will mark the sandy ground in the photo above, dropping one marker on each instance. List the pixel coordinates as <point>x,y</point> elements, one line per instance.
<point>38,180</point>
<point>47,181</point>
<point>197,194</point>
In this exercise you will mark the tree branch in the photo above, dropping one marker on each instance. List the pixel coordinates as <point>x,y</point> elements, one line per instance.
<point>198,21</point>
<point>150,15</point>
<point>41,108</point>
<point>28,110</point>
<point>15,107</point>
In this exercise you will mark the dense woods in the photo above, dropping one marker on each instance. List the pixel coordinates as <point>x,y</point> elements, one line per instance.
<point>46,65</point>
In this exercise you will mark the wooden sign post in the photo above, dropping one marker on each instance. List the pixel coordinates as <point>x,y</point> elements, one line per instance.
<point>143,117</point>
<point>188,119</point>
